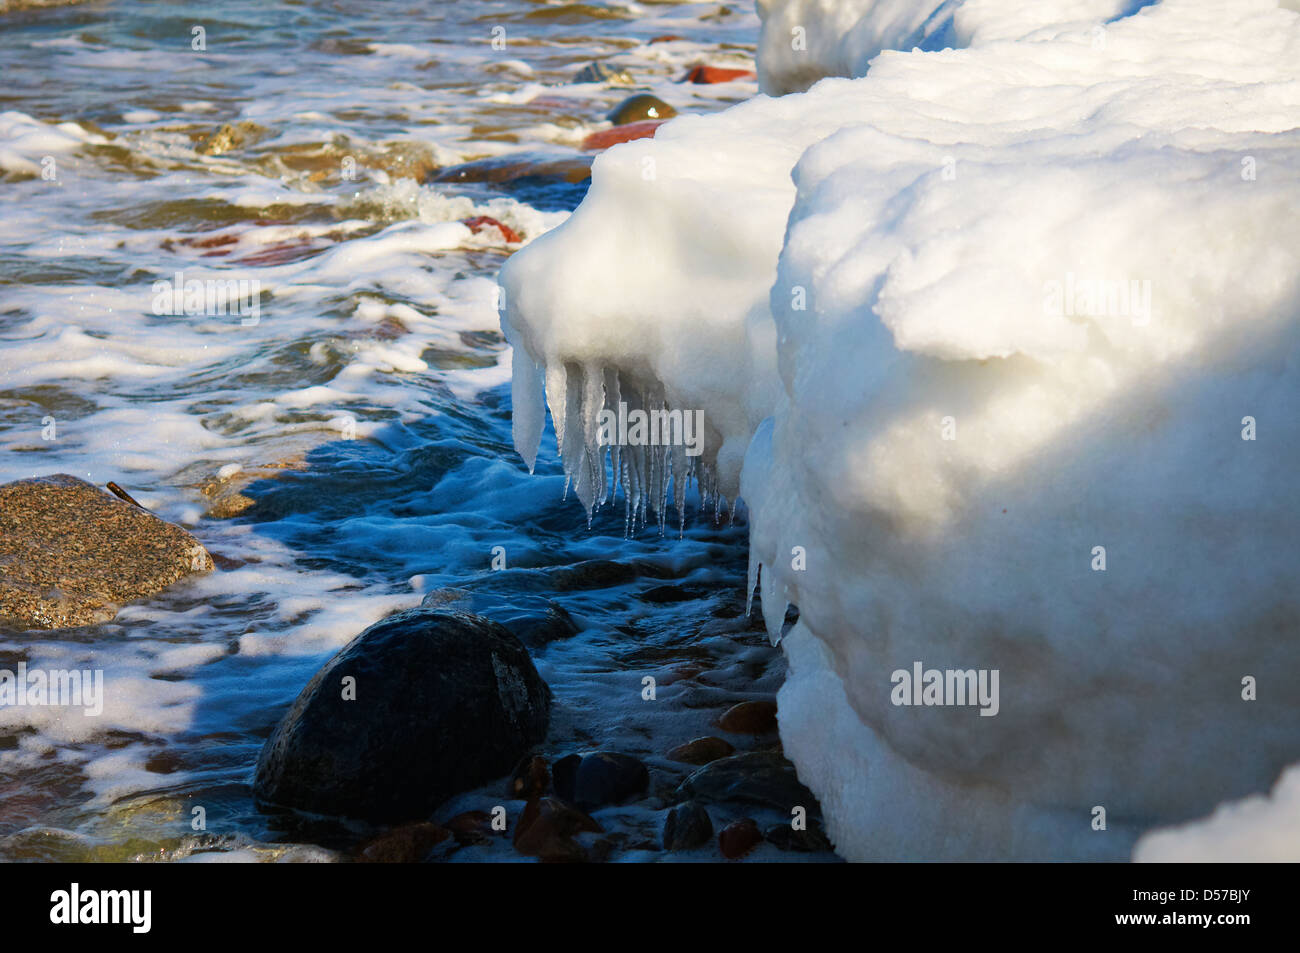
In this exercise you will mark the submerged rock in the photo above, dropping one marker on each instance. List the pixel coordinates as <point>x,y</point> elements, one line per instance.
<point>639,107</point>
<point>701,751</point>
<point>70,553</point>
<point>229,137</point>
<point>757,777</point>
<point>544,180</point>
<point>418,707</point>
<point>625,133</point>
<point>46,844</point>
<point>533,620</point>
<point>477,223</point>
<point>603,73</point>
<point>687,826</point>
<point>716,74</point>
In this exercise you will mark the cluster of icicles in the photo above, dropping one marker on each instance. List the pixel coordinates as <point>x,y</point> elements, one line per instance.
<point>647,473</point>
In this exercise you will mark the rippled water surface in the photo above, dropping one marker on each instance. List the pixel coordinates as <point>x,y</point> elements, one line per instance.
<point>348,450</point>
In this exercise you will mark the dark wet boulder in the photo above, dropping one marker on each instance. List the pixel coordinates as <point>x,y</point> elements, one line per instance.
<point>71,554</point>
<point>564,774</point>
<point>594,574</point>
<point>639,107</point>
<point>811,840</point>
<point>534,620</point>
<point>757,777</point>
<point>605,777</point>
<point>418,707</point>
<point>687,826</point>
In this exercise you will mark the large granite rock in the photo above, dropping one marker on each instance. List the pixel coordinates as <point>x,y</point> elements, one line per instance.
<point>443,702</point>
<point>71,554</point>
<point>534,620</point>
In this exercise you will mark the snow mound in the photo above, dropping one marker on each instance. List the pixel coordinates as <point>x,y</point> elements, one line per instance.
<point>998,345</point>
<point>1257,829</point>
<point>803,41</point>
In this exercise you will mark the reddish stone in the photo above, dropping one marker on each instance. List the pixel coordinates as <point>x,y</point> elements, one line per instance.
<point>716,74</point>
<point>547,828</point>
<point>667,38</point>
<point>281,254</point>
<point>213,241</point>
<point>408,844</point>
<point>701,751</point>
<point>750,718</point>
<point>480,222</point>
<point>530,779</point>
<point>471,827</point>
<point>612,137</point>
<point>739,837</point>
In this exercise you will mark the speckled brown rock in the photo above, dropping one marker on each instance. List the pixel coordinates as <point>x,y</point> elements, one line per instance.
<point>70,553</point>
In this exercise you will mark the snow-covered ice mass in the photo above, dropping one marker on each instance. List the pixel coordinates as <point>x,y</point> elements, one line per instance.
<point>993,313</point>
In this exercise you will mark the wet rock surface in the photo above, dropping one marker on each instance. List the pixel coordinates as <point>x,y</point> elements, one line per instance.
<point>808,841</point>
<point>546,181</point>
<point>738,838</point>
<point>605,777</point>
<point>750,718</point>
<point>603,73</point>
<point>640,107</point>
<point>71,554</point>
<point>530,778</point>
<point>534,620</point>
<point>688,826</point>
<point>756,777</point>
<point>548,830</point>
<point>441,703</point>
<point>701,751</point>
<point>408,844</point>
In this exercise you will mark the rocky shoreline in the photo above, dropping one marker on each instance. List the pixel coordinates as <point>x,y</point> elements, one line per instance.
<point>431,736</point>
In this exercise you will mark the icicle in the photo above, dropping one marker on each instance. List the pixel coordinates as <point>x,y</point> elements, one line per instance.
<point>755,569</point>
<point>651,474</point>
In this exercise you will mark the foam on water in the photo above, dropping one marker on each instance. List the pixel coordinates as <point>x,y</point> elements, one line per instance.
<point>365,408</point>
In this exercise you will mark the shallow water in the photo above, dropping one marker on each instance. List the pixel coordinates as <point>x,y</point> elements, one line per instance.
<point>364,415</point>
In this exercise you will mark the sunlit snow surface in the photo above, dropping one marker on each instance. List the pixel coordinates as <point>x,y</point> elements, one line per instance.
<point>875,292</point>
